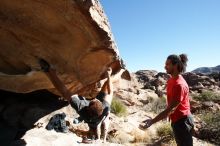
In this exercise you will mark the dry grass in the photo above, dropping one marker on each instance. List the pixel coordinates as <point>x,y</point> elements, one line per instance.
<point>141,136</point>
<point>134,137</point>
<point>120,138</point>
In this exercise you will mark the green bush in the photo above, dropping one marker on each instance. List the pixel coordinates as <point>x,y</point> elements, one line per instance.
<point>165,130</point>
<point>211,130</point>
<point>211,119</point>
<point>118,108</point>
<point>207,96</point>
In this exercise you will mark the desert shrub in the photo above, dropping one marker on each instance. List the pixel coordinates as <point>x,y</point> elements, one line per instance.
<point>211,119</point>
<point>118,108</point>
<point>165,130</point>
<point>211,129</point>
<point>207,96</point>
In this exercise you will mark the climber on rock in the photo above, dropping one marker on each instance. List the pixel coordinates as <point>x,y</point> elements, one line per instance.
<point>94,112</point>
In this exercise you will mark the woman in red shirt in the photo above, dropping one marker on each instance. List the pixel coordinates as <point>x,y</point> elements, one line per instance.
<point>178,105</point>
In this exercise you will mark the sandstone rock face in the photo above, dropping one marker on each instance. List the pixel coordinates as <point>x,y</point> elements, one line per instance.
<point>74,36</point>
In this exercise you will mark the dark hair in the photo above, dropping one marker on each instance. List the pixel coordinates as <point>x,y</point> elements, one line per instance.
<point>95,108</point>
<point>180,61</point>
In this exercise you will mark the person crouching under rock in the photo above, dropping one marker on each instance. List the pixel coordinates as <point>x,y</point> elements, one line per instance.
<point>94,112</point>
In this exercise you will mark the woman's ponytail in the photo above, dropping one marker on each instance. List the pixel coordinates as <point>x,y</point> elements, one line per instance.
<point>180,61</point>
<point>184,60</point>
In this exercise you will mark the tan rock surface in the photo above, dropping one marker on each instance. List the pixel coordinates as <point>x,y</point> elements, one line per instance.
<point>72,35</point>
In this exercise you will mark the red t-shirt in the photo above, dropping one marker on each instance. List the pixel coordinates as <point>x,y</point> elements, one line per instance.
<point>178,90</point>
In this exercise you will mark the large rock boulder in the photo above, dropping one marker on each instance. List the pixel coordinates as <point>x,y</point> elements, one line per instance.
<point>198,82</point>
<point>43,137</point>
<point>74,36</point>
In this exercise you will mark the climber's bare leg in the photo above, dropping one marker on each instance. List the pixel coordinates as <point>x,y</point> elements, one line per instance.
<point>105,127</point>
<point>95,133</point>
<point>98,132</point>
<point>102,128</point>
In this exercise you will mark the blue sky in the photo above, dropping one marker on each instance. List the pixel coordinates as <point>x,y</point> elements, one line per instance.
<point>147,31</point>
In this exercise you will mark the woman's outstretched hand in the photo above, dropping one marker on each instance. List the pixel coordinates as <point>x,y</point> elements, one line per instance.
<point>146,124</point>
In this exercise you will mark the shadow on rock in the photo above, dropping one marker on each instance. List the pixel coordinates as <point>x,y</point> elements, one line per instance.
<point>19,112</point>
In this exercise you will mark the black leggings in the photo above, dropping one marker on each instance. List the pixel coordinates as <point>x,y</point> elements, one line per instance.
<point>183,129</point>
